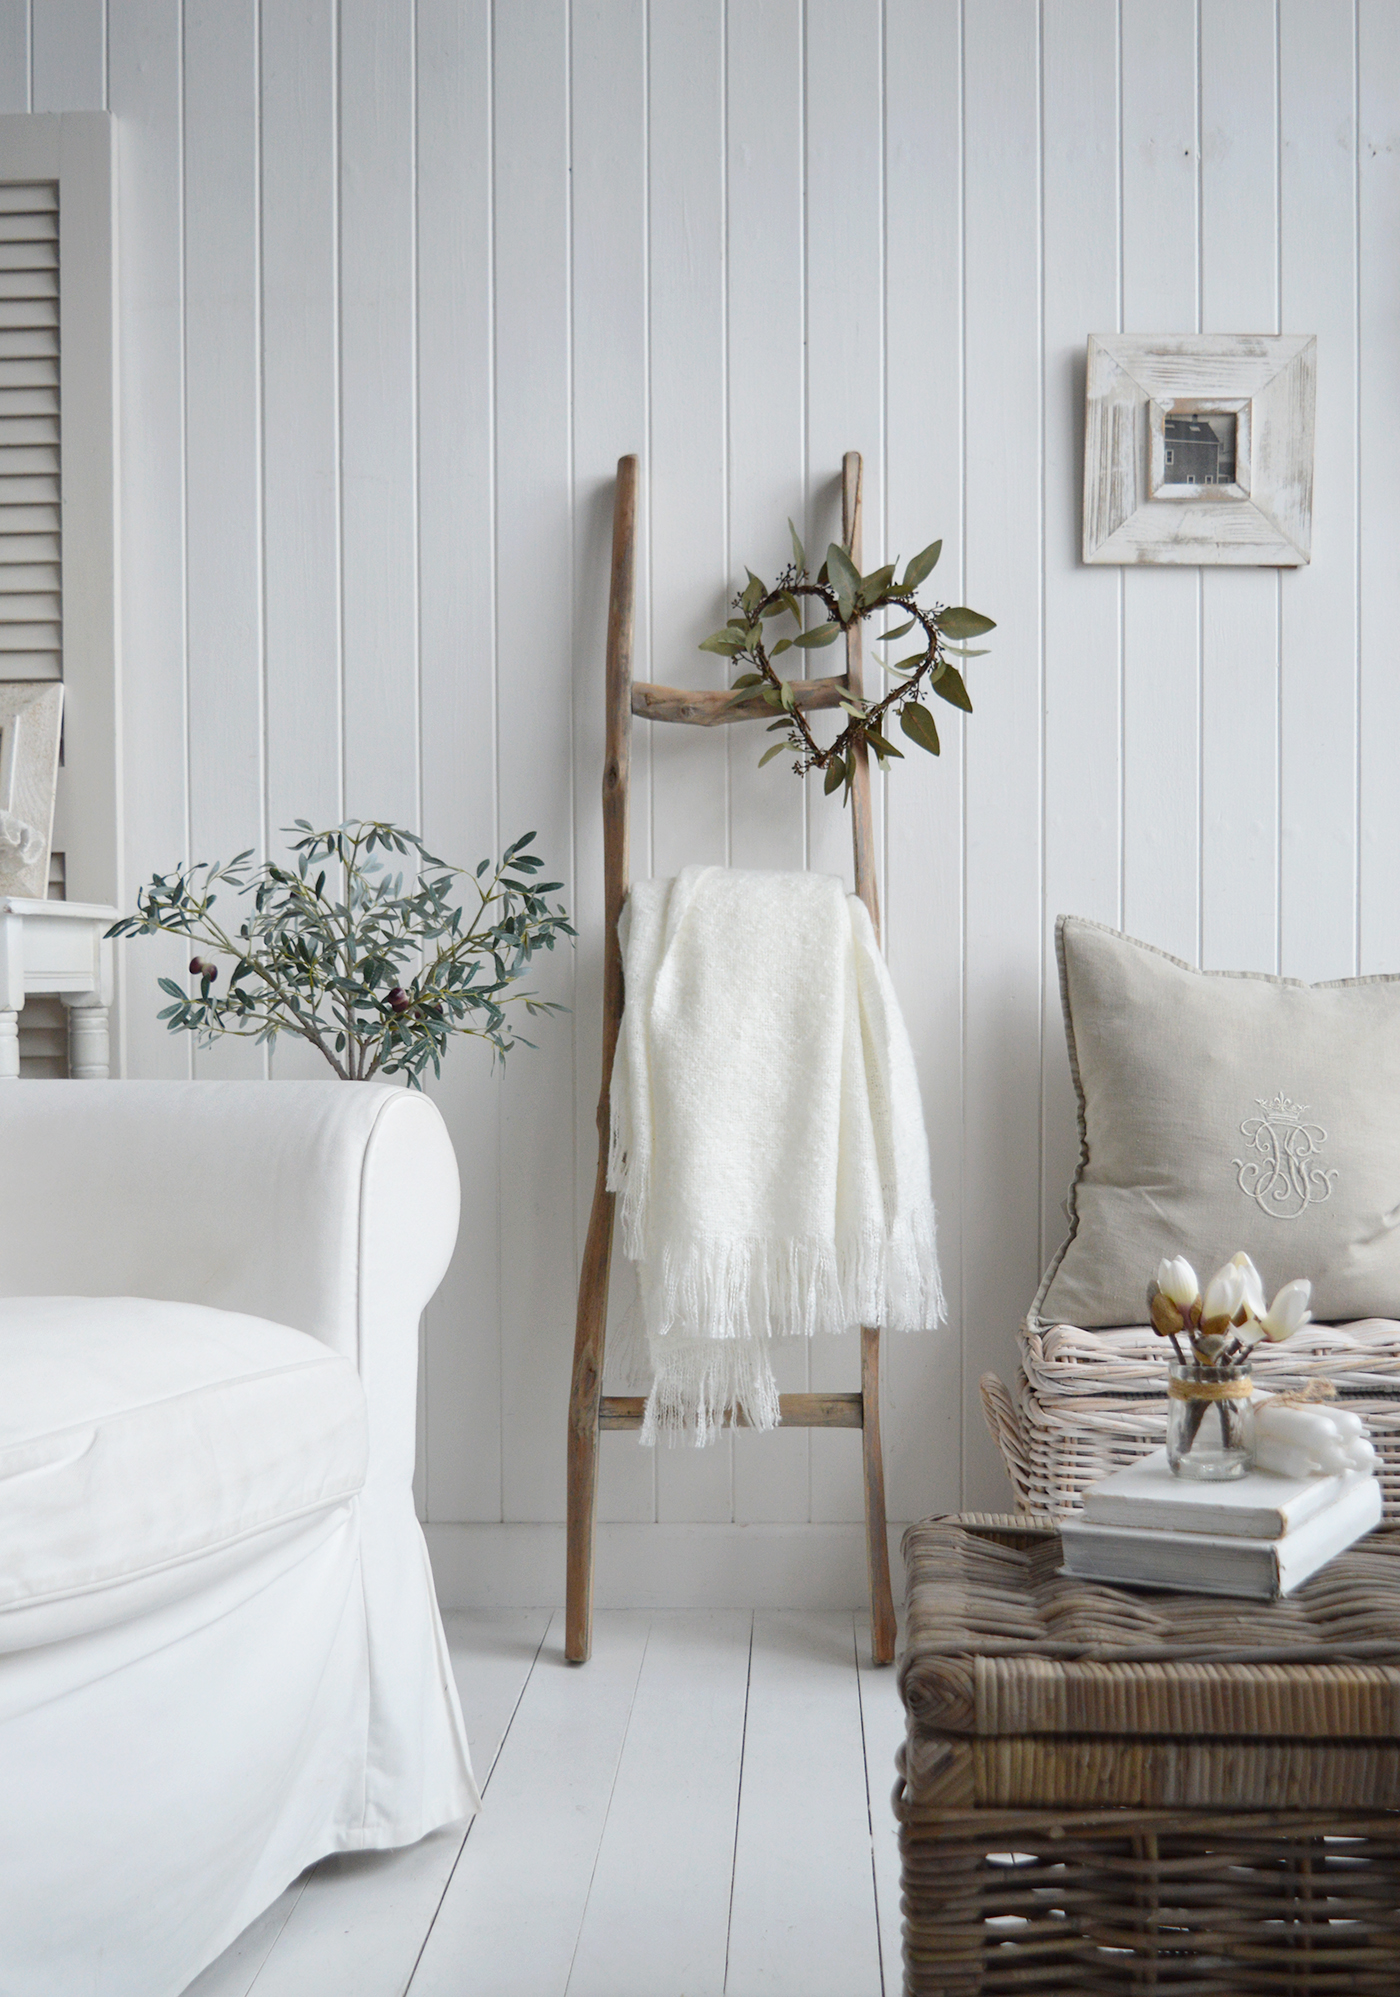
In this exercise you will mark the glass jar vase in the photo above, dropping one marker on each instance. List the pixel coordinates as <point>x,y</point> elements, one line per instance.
<point>1210,1423</point>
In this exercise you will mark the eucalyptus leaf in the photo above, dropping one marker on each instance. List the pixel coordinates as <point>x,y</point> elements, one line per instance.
<point>845,579</point>
<point>820,634</point>
<point>966,651</point>
<point>798,552</point>
<point>783,645</point>
<point>906,665</point>
<point>949,684</point>
<point>873,586</point>
<point>923,565</point>
<point>835,776</point>
<point>960,622</point>
<point>919,725</point>
<point>722,641</point>
<point>898,632</point>
<point>776,749</point>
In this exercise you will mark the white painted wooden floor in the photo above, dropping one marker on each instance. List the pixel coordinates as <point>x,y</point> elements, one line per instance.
<point>702,1809</point>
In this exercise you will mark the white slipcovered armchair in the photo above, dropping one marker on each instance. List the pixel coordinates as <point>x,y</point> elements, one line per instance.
<point>220,1652</point>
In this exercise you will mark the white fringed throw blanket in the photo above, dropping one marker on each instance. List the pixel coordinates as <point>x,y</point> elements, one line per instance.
<point>767,1136</point>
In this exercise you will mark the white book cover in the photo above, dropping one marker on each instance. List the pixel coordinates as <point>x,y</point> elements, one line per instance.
<point>1202,1563</point>
<point>1259,1505</point>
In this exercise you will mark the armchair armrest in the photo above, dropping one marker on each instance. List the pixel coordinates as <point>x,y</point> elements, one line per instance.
<point>328,1206</point>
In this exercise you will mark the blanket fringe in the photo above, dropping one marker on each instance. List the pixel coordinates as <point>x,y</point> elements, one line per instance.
<point>703,1383</point>
<point>736,1288</point>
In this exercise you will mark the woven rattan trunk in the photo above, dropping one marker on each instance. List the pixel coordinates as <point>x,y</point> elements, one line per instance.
<point>1085,1402</point>
<point>1109,1791</point>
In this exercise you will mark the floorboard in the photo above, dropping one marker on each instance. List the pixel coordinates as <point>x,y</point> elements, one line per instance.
<point>509,1922</point>
<point>658,1909</point>
<point>882,1720</point>
<point>234,1973</point>
<point>701,1811</point>
<point>803,1922</point>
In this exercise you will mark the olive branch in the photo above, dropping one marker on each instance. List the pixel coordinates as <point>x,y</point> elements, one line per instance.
<point>849,598</point>
<point>374,978</point>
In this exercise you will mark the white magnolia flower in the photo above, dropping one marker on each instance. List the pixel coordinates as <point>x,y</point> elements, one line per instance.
<point>1224,1293</point>
<point>1176,1279</point>
<point>1288,1311</point>
<point>1253,1298</point>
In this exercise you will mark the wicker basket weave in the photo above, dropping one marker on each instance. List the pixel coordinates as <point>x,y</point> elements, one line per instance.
<point>1110,1792</point>
<point>1086,1402</point>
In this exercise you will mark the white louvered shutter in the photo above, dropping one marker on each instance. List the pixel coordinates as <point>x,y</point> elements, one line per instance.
<point>31,628</point>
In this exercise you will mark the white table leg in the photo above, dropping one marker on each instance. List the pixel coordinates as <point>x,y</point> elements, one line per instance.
<point>9,1046</point>
<point>87,1042</point>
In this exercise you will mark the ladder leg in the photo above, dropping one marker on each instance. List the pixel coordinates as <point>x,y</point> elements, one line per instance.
<point>877,1541</point>
<point>589,1338</point>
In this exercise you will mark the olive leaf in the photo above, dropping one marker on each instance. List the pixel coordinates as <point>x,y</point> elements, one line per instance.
<point>377,978</point>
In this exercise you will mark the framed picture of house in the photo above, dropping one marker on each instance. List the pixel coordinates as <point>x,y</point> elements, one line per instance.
<point>31,719</point>
<point>1199,449</point>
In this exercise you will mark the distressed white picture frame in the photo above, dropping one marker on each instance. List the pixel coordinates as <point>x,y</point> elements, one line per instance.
<point>31,720</point>
<point>1133,512</point>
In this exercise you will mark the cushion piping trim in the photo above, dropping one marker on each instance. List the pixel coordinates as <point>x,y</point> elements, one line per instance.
<point>185,1559</point>
<point>95,1422</point>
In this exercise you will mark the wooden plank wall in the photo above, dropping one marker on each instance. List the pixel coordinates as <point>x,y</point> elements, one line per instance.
<point>400,282</point>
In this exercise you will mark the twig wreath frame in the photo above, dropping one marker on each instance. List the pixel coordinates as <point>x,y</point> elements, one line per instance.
<point>848,598</point>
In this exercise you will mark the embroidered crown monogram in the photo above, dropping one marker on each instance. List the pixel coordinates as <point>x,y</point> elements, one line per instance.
<point>1282,1178</point>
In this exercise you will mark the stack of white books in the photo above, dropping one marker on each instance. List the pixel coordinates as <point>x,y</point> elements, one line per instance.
<point>1259,1536</point>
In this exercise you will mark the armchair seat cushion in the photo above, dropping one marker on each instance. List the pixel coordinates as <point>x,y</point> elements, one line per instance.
<point>142,1441</point>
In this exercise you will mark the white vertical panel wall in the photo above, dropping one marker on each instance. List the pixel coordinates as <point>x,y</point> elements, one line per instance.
<point>398,285</point>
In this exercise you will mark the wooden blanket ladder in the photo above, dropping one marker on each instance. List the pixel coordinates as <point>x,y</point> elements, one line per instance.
<point>590,1410</point>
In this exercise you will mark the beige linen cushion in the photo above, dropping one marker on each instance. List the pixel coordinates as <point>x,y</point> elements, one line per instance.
<point>1221,1110</point>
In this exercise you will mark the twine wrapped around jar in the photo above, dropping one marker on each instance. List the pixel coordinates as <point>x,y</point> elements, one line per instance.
<point>1194,1390</point>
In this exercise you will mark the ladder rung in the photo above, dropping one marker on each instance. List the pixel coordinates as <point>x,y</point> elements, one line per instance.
<point>679,703</point>
<point>796,1410</point>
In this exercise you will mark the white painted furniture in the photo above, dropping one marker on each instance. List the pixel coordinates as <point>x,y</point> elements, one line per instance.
<point>220,1652</point>
<point>57,946</point>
